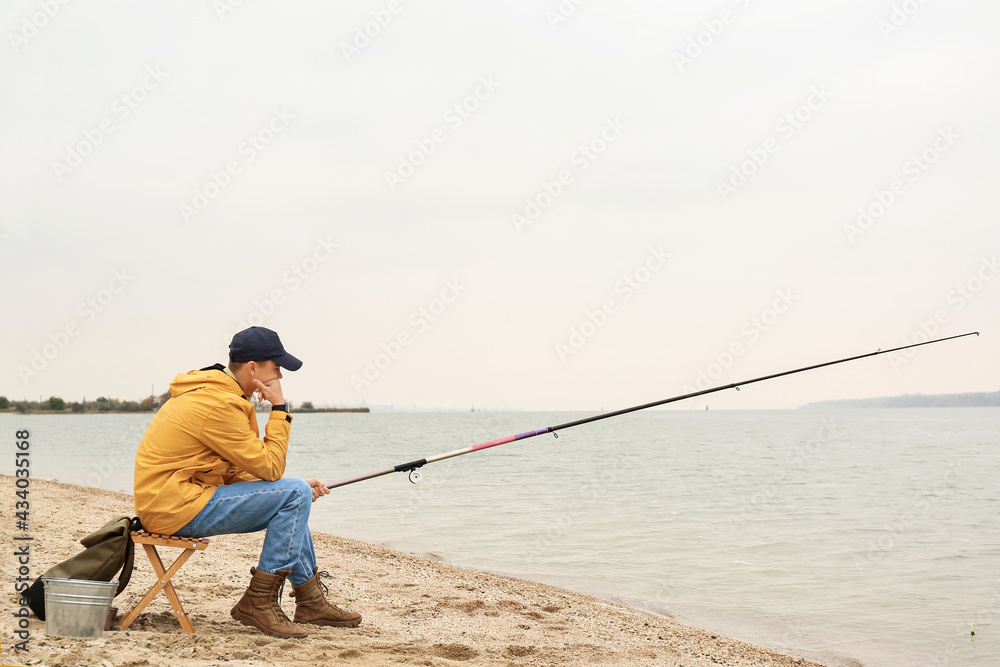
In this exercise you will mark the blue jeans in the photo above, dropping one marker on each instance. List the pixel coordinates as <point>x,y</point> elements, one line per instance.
<point>281,508</point>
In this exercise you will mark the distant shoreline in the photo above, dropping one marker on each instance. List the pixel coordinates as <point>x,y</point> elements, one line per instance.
<point>970,400</point>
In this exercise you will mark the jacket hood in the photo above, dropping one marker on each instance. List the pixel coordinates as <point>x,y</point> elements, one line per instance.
<point>213,379</point>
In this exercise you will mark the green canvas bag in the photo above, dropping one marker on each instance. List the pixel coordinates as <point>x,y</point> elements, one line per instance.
<point>108,552</point>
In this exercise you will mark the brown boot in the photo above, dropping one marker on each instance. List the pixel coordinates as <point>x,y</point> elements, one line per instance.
<point>311,606</point>
<point>260,606</point>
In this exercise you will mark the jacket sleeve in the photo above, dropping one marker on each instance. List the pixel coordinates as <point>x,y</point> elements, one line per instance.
<point>234,474</point>
<point>227,432</point>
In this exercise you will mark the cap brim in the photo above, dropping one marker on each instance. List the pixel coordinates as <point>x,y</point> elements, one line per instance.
<point>288,362</point>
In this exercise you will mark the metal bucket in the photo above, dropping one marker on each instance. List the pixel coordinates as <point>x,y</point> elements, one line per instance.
<point>77,607</point>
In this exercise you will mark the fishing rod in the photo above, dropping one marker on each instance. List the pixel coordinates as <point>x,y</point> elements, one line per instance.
<point>412,466</point>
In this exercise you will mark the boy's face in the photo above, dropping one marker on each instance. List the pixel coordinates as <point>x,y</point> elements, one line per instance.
<point>265,371</point>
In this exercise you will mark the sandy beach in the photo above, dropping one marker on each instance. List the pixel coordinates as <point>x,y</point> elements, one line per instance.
<point>416,610</point>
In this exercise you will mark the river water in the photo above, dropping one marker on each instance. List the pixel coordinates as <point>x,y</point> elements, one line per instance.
<point>845,536</point>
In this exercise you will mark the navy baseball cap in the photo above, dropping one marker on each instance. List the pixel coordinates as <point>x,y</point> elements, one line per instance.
<point>260,344</point>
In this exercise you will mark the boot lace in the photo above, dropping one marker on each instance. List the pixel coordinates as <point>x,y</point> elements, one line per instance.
<point>281,611</point>
<point>320,574</point>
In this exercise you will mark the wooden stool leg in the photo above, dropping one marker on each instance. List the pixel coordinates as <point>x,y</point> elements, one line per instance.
<point>168,587</point>
<point>163,584</point>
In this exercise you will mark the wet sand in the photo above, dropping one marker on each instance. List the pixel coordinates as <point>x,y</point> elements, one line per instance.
<point>416,610</point>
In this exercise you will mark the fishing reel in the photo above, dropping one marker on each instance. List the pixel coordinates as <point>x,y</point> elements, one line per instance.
<point>411,468</point>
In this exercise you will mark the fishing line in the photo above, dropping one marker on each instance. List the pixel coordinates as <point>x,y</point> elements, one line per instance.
<point>411,467</point>
<point>954,416</point>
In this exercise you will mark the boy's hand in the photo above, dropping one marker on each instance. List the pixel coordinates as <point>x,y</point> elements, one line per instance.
<point>318,487</point>
<point>270,391</point>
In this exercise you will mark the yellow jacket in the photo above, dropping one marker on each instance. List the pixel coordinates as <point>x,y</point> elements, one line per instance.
<point>205,436</point>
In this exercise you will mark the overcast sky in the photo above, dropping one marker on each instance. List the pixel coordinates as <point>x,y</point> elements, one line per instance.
<point>507,205</point>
